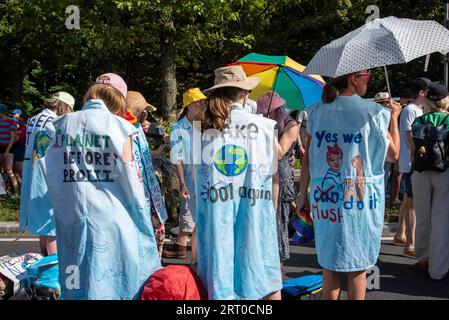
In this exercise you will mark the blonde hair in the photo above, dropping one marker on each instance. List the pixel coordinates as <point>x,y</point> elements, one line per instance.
<point>438,106</point>
<point>57,106</point>
<point>218,107</point>
<point>112,98</point>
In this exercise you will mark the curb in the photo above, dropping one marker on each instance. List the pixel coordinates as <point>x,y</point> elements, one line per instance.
<point>9,227</point>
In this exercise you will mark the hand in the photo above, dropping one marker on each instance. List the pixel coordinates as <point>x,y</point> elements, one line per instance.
<point>292,160</point>
<point>303,203</point>
<point>395,107</point>
<point>185,192</point>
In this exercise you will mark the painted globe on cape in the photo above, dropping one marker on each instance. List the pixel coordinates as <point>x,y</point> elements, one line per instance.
<point>231,160</point>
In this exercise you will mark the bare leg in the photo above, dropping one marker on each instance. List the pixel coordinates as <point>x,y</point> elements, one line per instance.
<point>400,233</point>
<point>395,183</point>
<point>194,246</point>
<point>9,164</point>
<point>51,245</point>
<point>357,285</point>
<point>410,221</point>
<point>331,285</point>
<point>274,296</point>
<point>47,245</point>
<point>182,239</point>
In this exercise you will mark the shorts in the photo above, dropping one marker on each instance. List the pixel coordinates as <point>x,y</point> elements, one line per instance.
<point>407,180</point>
<point>186,222</point>
<point>2,149</point>
<point>18,150</point>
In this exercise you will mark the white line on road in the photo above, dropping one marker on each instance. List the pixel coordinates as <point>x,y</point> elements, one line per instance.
<point>19,239</point>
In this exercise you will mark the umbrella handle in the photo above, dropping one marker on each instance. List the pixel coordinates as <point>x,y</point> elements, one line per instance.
<point>273,87</point>
<point>388,81</point>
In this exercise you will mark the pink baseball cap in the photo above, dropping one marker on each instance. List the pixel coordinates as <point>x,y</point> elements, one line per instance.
<point>269,101</point>
<point>115,81</point>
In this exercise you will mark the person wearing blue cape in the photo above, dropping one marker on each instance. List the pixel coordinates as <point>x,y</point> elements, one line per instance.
<point>350,138</point>
<point>106,244</point>
<point>236,190</point>
<point>137,105</point>
<point>36,210</point>
<point>181,143</point>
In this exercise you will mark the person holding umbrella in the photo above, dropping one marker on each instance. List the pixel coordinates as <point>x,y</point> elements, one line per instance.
<point>349,142</point>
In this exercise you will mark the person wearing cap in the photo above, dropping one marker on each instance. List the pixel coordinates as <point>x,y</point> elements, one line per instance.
<point>405,234</point>
<point>136,105</point>
<point>350,138</point>
<point>431,189</point>
<point>271,105</point>
<point>237,191</point>
<point>181,154</point>
<point>16,113</point>
<point>103,222</point>
<point>36,209</point>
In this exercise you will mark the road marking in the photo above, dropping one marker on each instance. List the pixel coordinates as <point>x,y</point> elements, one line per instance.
<point>19,239</point>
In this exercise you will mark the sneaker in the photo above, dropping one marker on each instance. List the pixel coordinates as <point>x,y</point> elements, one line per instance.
<point>410,252</point>
<point>399,241</point>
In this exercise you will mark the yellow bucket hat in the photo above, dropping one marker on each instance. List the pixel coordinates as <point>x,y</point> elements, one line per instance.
<point>191,96</point>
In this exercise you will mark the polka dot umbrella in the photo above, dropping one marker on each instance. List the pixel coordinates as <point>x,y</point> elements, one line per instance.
<point>380,43</point>
<point>284,76</point>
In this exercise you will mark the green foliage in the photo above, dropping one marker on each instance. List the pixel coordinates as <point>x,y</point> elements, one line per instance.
<point>39,55</point>
<point>9,209</point>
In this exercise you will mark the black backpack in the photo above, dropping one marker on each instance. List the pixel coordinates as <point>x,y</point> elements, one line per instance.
<point>431,144</point>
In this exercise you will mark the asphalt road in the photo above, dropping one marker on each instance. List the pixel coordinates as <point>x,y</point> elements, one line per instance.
<point>399,278</point>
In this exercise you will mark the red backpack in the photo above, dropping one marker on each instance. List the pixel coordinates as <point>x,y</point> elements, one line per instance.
<point>174,282</point>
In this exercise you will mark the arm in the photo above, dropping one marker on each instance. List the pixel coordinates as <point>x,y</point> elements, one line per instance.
<point>12,139</point>
<point>411,143</point>
<point>182,184</point>
<point>393,134</point>
<point>305,179</point>
<point>288,138</point>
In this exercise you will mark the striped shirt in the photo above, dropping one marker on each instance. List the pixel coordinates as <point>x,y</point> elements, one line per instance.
<point>6,126</point>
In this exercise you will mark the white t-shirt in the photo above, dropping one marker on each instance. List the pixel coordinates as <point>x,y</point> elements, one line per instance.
<point>250,106</point>
<point>408,116</point>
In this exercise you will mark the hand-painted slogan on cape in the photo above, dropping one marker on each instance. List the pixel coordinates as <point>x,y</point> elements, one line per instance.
<point>334,195</point>
<point>88,157</point>
<point>224,193</point>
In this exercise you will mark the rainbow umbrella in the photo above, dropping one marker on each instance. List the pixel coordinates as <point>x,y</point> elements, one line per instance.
<point>284,76</point>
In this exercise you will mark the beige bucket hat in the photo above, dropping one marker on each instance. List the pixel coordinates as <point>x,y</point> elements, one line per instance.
<point>233,76</point>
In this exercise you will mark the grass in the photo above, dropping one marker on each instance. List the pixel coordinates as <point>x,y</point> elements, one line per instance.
<point>9,209</point>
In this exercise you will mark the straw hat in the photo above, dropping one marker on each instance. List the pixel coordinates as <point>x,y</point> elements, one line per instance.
<point>233,76</point>
<point>136,100</point>
<point>382,97</point>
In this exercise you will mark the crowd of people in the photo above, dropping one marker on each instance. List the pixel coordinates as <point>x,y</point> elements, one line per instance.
<point>89,191</point>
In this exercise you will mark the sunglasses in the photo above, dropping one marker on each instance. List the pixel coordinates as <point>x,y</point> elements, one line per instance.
<point>366,75</point>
